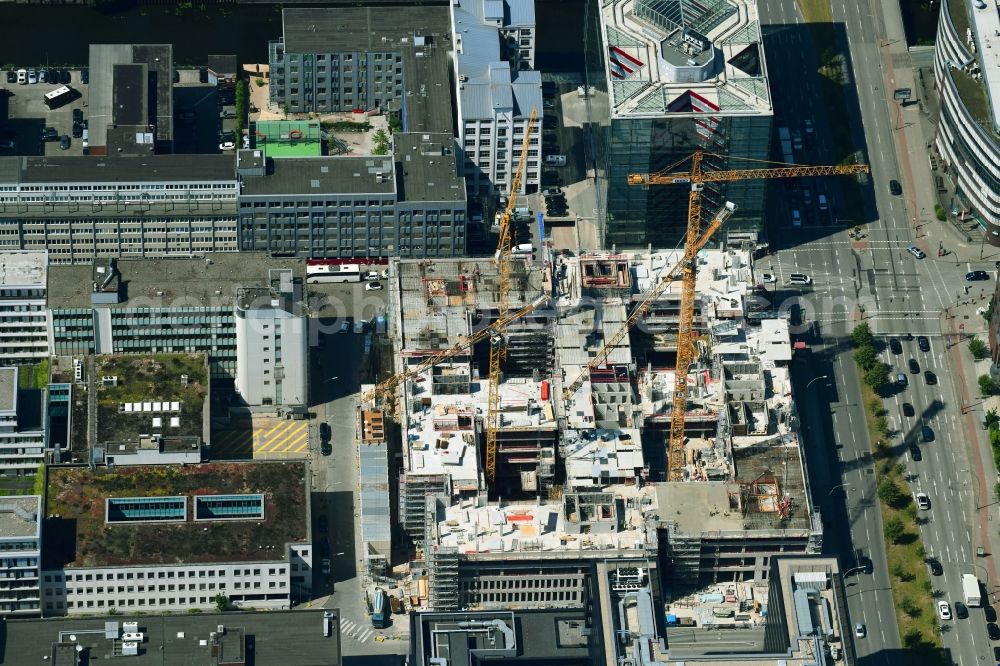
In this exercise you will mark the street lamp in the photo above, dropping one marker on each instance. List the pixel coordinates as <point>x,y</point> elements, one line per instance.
<point>815,379</point>
<point>841,485</point>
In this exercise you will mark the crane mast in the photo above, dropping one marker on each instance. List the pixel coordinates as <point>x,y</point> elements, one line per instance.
<point>498,339</point>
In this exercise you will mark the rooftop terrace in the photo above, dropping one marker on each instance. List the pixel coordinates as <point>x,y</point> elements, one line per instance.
<point>151,382</point>
<point>20,516</point>
<point>80,536</point>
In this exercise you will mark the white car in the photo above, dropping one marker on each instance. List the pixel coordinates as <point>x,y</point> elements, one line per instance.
<point>373,286</point>
<point>385,274</point>
<point>799,278</point>
<point>944,610</point>
<point>227,145</point>
<point>22,76</point>
<point>768,278</point>
<point>923,501</point>
<point>859,630</point>
<point>32,76</point>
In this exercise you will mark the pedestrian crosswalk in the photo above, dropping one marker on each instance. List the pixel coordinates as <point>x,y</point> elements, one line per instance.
<point>358,632</point>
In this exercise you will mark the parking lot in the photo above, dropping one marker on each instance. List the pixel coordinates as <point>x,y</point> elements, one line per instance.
<point>24,115</point>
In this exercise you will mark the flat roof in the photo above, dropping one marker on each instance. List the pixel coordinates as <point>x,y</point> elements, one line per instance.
<point>531,636</point>
<point>24,268</point>
<point>652,70</point>
<point>128,93</point>
<point>986,23</point>
<point>275,138</point>
<point>428,89</point>
<point>8,389</point>
<point>79,536</point>
<point>20,516</point>
<point>154,283</point>
<point>104,86</point>
<point>347,29</point>
<point>156,383</point>
<point>427,167</point>
<point>319,176</point>
<point>117,169</point>
<point>290,638</point>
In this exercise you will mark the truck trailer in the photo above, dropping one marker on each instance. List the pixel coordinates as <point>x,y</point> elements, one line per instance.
<point>970,586</point>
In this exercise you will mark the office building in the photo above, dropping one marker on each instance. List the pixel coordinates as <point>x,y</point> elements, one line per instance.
<point>409,204</point>
<point>21,559</point>
<point>356,59</point>
<point>668,78</point>
<point>967,74</point>
<point>207,639</point>
<point>22,435</point>
<point>497,91</point>
<point>130,108</point>
<point>80,208</point>
<point>22,307</point>
<point>160,547</point>
<point>272,329</point>
<point>156,306</point>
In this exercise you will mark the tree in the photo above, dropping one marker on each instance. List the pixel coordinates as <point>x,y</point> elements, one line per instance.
<point>912,638</point>
<point>877,376</point>
<point>241,107</point>
<point>865,356</point>
<point>380,142</point>
<point>894,529</point>
<point>978,348</point>
<point>908,606</point>
<point>992,419</point>
<point>221,602</point>
<point>939,212</point>
<point>986,385</point>
<point>862,335</point>
<point>889,492</point>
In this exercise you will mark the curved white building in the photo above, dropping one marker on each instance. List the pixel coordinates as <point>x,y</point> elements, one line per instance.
<point>967,72</point>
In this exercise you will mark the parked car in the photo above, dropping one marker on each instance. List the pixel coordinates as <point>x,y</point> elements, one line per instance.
<point>768,278</point>
<point>325,432</point>
<point>895,189</point>
<point>77,130</point>
<point>552,192</point>
<point>373,286</point>
<point>11,76</point>
<point>43,75</point>
<point>32,76</point>
<point>993,631</point>
<point>77,115</point>
<point>85,75</point>
<point>325,566</point>
<point>227,145</point>
<point>345,327</point>
<point>325,448</point>
<point>22,76</point>
<point>64,142</point>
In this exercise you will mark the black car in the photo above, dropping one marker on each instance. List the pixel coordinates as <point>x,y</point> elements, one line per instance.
<point>895,346</point>
<point>961,612</point>
<point>176,76</point>
<point>326,448</point>
<point>85,75</point>
<point>202,75</point>
<point>993,631</point>
<point>895,189</point>
<point>321,524</point>
<point>11,76</point>
<point>926,434</point>
<point>324,431</point>
<point>77,130</point>
<point>915,453</point>
<point>934,566</point>
<point>64,76</point>
<point>64,142</point>
<point>50,134</point>
<point>923,343</point>
<point>930,378</point>
<point>976,276</point>
<point>907,409</point>
<point>914,367</point>
<point>77,115</point>
<point>990,613</point>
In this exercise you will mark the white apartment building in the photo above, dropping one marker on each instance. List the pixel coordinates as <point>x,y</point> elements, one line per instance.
<point>272,348</point>
<point>497,90</point>
<point>22,444</point>
<point>20,554</point>
<point>23,316</point>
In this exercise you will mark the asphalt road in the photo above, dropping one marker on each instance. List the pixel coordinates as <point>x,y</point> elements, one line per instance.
<point>895,293</point>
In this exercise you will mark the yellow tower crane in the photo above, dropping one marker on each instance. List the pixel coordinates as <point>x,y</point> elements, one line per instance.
<point>695,239</point>
<point>498,341</point>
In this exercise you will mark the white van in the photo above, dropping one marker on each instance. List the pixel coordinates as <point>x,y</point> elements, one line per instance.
<point>796,218</point>
<point>86,137</point>
<point>799,278</point>
<point>821,199</point>
<point>524,248</point>
<point>555,160</point>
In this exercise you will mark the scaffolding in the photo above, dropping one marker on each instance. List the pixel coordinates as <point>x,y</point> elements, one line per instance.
<point>413,493</point>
